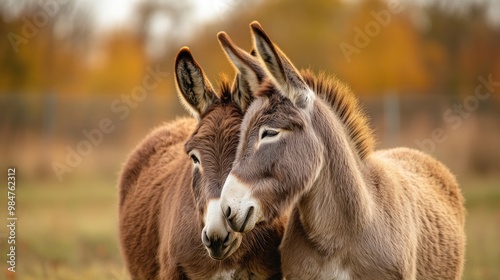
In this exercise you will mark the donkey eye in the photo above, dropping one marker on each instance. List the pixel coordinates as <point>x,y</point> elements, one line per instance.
<point>269,133</point>
<point>194,159</point>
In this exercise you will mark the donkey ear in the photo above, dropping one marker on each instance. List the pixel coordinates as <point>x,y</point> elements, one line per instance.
<point>250,72</point>
<point>195,91</point>
<point>286,76</point>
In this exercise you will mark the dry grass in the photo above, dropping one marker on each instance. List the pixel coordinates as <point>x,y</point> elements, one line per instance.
<point>69,230</point>
<point>483,229</point>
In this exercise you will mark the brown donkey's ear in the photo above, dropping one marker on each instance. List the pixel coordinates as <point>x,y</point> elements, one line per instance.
<point>250,73</point>
<point>280,68</point>
<point>195,91</point>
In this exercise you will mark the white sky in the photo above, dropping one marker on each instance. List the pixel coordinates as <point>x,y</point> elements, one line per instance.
<point>109,13</point>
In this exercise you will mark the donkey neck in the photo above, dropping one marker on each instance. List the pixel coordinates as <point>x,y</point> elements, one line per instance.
<point>338,205</point>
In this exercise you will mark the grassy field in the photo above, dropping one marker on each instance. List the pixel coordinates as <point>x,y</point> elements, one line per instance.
<point>69,231</point>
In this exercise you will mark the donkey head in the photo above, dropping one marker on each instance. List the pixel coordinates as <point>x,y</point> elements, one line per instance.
<point>279,155</point>
<point>212,146</point>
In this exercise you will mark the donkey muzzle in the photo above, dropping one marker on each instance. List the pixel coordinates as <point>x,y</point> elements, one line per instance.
<point>239,208</point>
<point>219,240</point>
<point>220,248</point>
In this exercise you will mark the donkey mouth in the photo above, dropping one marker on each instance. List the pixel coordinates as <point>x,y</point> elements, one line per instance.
<point>247,218</point>
<point>222,254</point>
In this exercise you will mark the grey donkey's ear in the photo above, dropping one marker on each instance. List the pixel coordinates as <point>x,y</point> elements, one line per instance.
<point>281,70</point>
<point>195,91</point>
<point>250,72</point>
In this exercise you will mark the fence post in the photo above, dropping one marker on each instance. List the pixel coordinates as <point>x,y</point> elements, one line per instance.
<point>48,124</point>
<point>392,119</point>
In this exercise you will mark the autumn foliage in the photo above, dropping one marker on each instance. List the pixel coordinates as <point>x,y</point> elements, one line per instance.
<point>376,46</point>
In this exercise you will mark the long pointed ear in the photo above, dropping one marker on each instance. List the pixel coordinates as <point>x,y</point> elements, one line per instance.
<point>195,91</point>
<point>250,73</point>
<point>282,71</point>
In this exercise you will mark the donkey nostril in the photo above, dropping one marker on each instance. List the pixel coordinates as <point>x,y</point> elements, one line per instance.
<point>228,212</point>
<point>227,240</point>
<point>205,239</point>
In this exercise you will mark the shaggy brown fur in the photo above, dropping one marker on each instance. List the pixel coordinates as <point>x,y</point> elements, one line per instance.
<point>357,214</point>
<point>163,195</point>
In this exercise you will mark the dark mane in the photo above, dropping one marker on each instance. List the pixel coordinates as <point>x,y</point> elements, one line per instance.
<point>226,95</point>
<point>345,104</point>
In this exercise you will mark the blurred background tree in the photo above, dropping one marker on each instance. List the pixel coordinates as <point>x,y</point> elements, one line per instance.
<point>427,48</point>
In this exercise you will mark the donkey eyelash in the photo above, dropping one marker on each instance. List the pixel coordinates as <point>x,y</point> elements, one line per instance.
<point>194,158</point>
<point>269,133</point>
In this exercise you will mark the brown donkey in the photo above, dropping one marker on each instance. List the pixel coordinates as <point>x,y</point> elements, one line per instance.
<point>357,213</point>
<point>169,202</point>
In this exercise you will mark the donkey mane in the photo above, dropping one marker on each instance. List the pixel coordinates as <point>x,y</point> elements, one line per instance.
<point>226,95</point>
<point>343,101</point>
